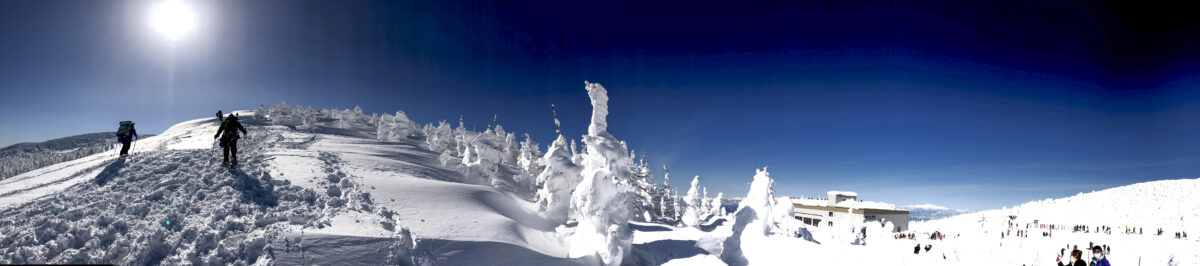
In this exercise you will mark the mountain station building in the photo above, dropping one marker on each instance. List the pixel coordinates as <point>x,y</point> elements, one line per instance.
<point>844,206</point>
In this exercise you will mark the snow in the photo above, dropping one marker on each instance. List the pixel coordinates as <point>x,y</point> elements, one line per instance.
<point>924,206</point>
<point>558,179</point>
<point>601,201</point>
<point>845,193</point>
<point>866,205</point>
<point>23,157</point>
<point>692,211</point>
<point>330,187</point>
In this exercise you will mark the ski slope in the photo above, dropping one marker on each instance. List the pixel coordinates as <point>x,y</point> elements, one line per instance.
<point>1167,204</point>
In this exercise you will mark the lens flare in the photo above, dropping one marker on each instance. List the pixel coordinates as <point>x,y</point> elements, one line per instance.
<point>173,19</point>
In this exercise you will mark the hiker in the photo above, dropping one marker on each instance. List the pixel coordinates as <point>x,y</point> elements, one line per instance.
<point>229,137</point>
<point>126,134</point>
<point>1075,254</point>
<point>1098,258</point>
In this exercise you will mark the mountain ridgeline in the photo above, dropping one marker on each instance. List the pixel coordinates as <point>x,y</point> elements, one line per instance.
<point>23,157</point>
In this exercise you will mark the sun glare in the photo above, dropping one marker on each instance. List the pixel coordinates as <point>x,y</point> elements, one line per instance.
<point>173,19</point>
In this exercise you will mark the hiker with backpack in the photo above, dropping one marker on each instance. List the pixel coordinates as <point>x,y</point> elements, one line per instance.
<point>126,134</point>
<point>229,137</point>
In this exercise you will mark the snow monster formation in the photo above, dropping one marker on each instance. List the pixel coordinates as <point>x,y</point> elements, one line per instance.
<point>601,201</point>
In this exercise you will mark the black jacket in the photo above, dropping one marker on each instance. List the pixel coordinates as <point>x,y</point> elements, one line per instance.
<point>1077,263</point>
<point>230,127</point>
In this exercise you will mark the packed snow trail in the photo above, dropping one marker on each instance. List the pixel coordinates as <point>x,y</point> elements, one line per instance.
<point>156,207</point>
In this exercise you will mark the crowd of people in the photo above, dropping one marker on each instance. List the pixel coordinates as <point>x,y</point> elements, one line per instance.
<point>913,236</point>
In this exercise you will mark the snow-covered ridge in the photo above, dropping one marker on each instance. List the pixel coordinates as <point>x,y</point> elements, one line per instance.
<point>313,179</point>
<point>924,206</point>
<point>1141,208</point>
<point>23,157</point>
<point>926,212</point>
<point>1163,203</point>
<point>331,186</point>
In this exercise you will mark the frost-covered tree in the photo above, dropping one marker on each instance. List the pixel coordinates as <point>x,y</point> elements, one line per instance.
<point>575,155</point>
<point>715,206</point>
<point>509,149</point>
<point>675,202</point>
<point>395,127</point>
<point>666,201</point>
<point>557,180</point>
<point>645,205</point>
<point>529,159</point>
<point>692,205</point>
<point>262,111</point>
<point>753,222</point>
<point>601,201</point>
<point>483,157</point>
<point>24,157</point>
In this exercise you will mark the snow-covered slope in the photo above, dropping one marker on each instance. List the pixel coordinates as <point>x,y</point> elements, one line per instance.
<point>23,157</point>
<point>1143,207</point>
<point>334,187</point>
<point>926,212</point>
<point>314,195</point>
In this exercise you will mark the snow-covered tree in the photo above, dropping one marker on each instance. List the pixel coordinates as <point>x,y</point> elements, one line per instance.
<point>715,206</point>
<point>557,180</point>
<point>483,157</point>
<point>529,159</point>
<point>645,205</point>
<point>692,205</point>
<point>262,111</point>
<point>576,156</point>
<point>753,222</point>
<point>601,201</point>
<point>667,210</point>
<point>393,127</point>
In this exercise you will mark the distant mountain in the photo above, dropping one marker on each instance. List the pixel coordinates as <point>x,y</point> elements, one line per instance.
<point>925,212</point>
<point>23,157</point>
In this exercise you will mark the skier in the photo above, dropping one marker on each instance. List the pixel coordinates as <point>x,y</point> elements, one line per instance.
<point>1075,254</point>
<point>229,129</point>
<point>219,116</point>
<point>126,134</point>
<point>917,249</point>
<point>1098,258</point>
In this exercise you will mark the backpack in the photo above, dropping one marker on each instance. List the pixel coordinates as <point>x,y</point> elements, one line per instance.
<point>125,129</point>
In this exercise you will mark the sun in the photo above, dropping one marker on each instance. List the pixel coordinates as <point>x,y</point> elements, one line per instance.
<point>173,19</point>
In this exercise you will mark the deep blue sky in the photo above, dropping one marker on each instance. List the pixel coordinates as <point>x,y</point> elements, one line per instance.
<point>961,104</point>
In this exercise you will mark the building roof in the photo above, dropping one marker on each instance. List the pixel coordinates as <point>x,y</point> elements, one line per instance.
<point>845,193</point>
<point>849,210</point>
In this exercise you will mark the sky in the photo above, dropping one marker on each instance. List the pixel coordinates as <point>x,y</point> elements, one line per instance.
<point>968,104</point>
